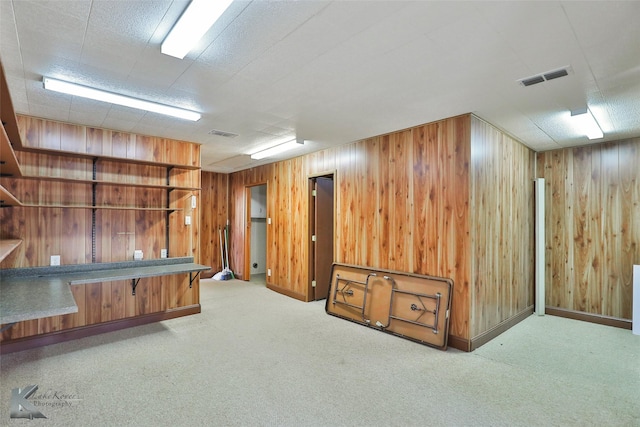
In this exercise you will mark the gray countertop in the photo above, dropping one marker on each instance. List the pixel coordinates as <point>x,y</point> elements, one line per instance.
<point>34,293</point>
<point>37,298</point>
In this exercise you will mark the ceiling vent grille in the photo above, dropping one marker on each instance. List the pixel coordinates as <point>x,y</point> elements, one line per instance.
<point>544,77</point>
<point>222,133</point>
<point>555,74</point>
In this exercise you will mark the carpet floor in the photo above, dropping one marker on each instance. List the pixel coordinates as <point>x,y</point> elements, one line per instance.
<point>254,357</point>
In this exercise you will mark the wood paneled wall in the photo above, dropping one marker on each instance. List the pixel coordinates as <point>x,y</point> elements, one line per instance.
<point>66,232</point>
<point>592,226</point>
<point>401,204</point>
<point>502,227</point>
<point>452,199</point>
<point>213,217</point>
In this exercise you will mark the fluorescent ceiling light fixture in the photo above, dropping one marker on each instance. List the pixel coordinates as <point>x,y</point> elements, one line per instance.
<point>196,20</point>
<point>584,121</point>
<point>277,149</point>
<point>114,98</point>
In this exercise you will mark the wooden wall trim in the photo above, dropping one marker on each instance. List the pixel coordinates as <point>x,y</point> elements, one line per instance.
<point>288,292</point>
<point>459,343</point>
<point>490,334</point>
<point>589,317</point>
<point>34,341</point>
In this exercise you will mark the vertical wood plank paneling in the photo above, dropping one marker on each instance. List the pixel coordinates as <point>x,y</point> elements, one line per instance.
<point>119,144</point>
<point>118,290</point>
<point>502,227</point>
<point>93,303</point>
<point>106,313</point>
<point>299,221</point>
<point>372,214</point>
<point>98,140</point>
<point>213,217</point>
<point>377,214</point>
<point>583,227</point>
<point>594,212</point>
<point>629,159</point>
<point>386,185</point>
<point>73,138</point>
<point>50,135</point>
<point>611,243</point>
<point>433,203</point>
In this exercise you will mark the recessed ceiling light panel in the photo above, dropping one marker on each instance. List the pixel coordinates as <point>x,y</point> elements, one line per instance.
<point>115,98</point>
<point>196,20</point>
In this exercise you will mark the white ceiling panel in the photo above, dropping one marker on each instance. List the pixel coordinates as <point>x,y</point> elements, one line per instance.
<point>330,71</point>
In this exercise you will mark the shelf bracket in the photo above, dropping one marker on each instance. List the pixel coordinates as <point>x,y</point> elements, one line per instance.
<point>134,284</point>
<point>192,278</point>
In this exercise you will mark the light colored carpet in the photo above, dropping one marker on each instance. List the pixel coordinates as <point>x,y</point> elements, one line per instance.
<point>255,357</point>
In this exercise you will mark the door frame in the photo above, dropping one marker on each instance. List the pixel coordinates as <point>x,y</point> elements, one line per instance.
<point>246,268</point>
<point>310,225</point>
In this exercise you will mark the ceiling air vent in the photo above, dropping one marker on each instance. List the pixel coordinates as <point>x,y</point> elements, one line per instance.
<point>545,77</point>
<point>222,133</point>
<point>555,74</point>
<point>532,80</point>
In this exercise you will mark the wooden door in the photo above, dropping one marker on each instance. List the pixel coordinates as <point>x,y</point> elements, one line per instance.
<point>322,232</point>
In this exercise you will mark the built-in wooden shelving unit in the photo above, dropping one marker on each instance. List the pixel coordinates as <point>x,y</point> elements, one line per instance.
<point>9,165</point>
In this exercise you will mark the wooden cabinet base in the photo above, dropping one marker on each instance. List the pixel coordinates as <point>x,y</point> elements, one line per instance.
<point>34,341</point>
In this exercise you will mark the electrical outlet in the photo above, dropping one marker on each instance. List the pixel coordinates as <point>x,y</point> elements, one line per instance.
<point>187,220</point>
<point>55,260</point>
<point>269,272</point>
<point>137,255</point>
<point>163,253</point>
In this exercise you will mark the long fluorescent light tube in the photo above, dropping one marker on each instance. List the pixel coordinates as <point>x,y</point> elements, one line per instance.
<point>196,20</point>
<point>586,123</point>
<point>270,152</point>
<point>114,98</point>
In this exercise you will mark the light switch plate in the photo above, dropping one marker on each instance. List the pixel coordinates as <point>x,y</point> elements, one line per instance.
<point>193,202</point>
<point>187,220</point>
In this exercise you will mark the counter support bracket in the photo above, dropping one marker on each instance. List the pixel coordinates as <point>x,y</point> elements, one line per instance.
<point>134,284</point>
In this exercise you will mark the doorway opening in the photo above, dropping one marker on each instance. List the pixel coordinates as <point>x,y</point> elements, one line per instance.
<point>321,229</point>
<point>255,268</point>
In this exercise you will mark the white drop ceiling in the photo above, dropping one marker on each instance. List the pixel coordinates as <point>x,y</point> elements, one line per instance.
<point>330,72</point>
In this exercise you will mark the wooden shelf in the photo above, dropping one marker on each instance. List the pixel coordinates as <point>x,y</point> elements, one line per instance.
<point>114,208</point>
<point>106,158</point>
<point>8,162</point>
<point>7,199</point>
<point>110,183</point>
<point>7,246</point>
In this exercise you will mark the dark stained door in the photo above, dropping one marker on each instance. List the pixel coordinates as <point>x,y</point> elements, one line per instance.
<point>323,232</point>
